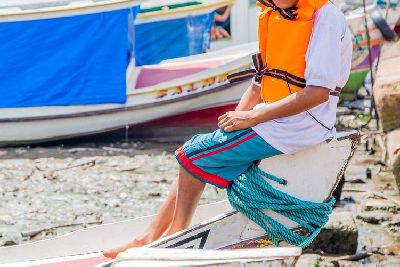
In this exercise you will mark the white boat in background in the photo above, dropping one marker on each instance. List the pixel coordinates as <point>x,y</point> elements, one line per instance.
<point>214,226</point>
<point>67,103</point>
<point>158,91</point>
<point>175,28</point>
<point>86,85</point>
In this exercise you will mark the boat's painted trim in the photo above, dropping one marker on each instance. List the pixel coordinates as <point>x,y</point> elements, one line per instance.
<point>143,91</point>
<point>13,15</point>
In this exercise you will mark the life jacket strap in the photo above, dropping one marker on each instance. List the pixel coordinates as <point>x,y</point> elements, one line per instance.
<point>257,72</point>
<point>260,70</point>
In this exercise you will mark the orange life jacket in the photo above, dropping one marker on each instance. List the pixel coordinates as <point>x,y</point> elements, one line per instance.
<point>283,37</point>
<point>283,46</point>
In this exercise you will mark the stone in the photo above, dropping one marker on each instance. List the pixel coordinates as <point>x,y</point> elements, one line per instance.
<point>393,150</point>
<point>306,260</point>
<point>395,222</point>
<point>343,263</point>
<point>387,88</point>
<point>380,204</point>
<point>374,217</point>
<point>383,260</point>
<point>339,236</point>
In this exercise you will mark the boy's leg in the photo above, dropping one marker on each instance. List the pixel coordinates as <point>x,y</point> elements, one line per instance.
<point>155,229</point>
<point>189,193</point>
<point>216,158</point>
<point>174,215</point>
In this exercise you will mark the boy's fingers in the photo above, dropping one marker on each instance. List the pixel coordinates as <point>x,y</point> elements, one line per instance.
<point>230,128</point>
<point>225,124</point>
<point>223,120</point>
<point>222,117</point>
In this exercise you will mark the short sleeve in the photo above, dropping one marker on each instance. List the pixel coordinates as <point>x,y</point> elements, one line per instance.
<point>323,59</point>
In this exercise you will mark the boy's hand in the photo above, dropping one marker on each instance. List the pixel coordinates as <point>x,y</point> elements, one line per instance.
<point>236,120</point>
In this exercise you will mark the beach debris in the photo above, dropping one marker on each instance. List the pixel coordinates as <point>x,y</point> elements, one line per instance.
<point>154,194</point>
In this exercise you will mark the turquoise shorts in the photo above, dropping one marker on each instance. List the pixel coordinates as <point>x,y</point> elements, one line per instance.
<point>219,157</point>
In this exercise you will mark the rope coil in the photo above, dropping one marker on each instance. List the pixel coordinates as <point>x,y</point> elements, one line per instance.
<point>250,194</point>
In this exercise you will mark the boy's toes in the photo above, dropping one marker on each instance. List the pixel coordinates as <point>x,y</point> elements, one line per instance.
<point>114,252</point>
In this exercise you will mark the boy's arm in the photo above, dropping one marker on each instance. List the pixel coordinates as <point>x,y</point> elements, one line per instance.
<point>225,15</point>
<point>309,97</point>
<point>250,98</point>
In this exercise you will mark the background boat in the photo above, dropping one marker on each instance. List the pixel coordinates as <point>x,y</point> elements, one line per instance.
<point>92,87</point>
<point>172,29</point>
<point>361,63</point>
<point>52,88</point>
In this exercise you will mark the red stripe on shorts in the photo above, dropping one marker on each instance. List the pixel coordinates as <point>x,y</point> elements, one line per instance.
<point>188,163</point>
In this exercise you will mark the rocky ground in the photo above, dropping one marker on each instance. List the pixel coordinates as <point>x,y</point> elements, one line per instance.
<point>365,227</point>
<point>48,191</point>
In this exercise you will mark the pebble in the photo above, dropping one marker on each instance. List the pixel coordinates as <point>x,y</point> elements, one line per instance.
<point>380,204</point>
<point>374,217</point>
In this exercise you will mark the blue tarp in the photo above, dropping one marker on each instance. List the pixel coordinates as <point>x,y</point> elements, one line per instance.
<point>64,61</point>
<point>157,41</point>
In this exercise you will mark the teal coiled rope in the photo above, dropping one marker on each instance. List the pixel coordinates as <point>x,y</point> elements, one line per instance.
<point>250,194</point>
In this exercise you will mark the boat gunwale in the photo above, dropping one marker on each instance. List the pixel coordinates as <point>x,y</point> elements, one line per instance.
<point>65,10</point>
<point>143,16</point>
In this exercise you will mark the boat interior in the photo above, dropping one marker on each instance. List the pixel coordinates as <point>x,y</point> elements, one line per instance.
<point>174,69</point>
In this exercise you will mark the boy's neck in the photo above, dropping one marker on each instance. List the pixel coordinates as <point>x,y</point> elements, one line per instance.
<point>284,4</point>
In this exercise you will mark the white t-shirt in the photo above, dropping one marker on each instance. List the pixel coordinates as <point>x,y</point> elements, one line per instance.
<point>328,64</point>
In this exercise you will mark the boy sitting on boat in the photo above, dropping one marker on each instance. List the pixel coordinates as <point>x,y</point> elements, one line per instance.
<point>305,58</point>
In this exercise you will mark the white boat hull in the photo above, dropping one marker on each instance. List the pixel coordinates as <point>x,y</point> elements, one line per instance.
<point>61,127</point>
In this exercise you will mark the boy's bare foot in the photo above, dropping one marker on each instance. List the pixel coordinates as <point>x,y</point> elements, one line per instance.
<point>134,244</point>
